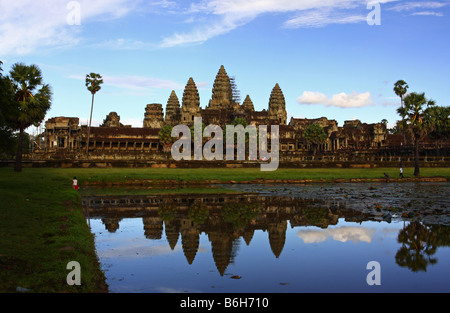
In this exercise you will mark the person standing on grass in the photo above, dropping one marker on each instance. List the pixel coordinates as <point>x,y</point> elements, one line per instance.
<point>401,171</point>
<point>75,183</point>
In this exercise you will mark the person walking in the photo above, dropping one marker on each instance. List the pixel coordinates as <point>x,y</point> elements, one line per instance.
<point>401,172</point>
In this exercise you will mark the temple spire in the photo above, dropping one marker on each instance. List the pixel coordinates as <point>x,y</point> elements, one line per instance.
<point>248,104</point>
<point>190,103</point>
<point>222,95</point>
<point>277,106</point>
<point>173,115</point>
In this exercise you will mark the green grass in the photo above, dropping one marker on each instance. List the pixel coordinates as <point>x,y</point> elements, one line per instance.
<point>42,227</point>
<point>226,174</point>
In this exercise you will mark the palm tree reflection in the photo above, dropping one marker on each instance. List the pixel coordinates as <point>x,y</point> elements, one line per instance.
<point>419,244</point>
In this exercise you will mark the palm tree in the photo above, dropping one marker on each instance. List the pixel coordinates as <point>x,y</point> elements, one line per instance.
<point>30,104</point>
<point>93,82</point>
<point>400,88</point>
<point>417,120</point>
<point>419,245</point>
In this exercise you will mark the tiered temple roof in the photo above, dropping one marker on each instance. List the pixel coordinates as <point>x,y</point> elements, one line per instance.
<point>277,105</point>
<point>248,104</point>
<point>190,103</point>
<point>154,116</point>
<point>222,95</point>
<point>173,115</point>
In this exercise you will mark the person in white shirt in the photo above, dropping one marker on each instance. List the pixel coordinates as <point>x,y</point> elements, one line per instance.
<point>75,183</point>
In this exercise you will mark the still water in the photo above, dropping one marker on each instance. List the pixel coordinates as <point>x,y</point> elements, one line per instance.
<point>265,239</point>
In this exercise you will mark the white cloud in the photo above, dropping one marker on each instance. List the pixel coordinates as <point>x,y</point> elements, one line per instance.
<point>409,5</point>
<point>342,234</point>
<point>29,25</point>
<point>422,8</point>
<point>226,16</point>
<point>428,13</point>
<point>201,34</point>
<point>342,100</point>
<point>320,18</point>
<point>312,97</point>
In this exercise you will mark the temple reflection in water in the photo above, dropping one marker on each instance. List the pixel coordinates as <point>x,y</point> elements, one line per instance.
<point>224,218</point>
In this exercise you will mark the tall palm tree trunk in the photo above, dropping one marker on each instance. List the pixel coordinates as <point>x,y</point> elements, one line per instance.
<point>89,128</point>
<point>18,164</point>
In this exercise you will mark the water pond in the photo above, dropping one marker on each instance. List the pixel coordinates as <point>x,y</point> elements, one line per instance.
<point>280,238</point>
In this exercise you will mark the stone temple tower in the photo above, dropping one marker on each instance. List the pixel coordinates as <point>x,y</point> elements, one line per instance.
<point>222,95</point>
<point>277,106</point>
<point>154,116</point>
<point>112,120</point>
<point>173,113</point>
<point>190,103</point>
<point>248,104</point>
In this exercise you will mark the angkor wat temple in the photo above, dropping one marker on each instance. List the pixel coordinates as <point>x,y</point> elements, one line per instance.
<point>65,139</point>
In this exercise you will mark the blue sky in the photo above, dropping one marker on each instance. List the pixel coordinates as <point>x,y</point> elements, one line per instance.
<point>325,56</point>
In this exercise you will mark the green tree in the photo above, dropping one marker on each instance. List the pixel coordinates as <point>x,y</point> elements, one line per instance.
<point>441,122</point>
<point>30,104</point>
<point>315,135</point>
<point>417,121</point>
<point>7,139</point>
<point>93,82</point>
<point>165,137</point>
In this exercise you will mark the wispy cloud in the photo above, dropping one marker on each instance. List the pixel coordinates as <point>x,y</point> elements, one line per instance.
<point>225,16</point>
<point>28,25</point>
<point>414,5</point>
<point>425,8</point>
<point>342,100</point>
<point>125,44</point>
<point>320,18</point>
<point>429,13</point>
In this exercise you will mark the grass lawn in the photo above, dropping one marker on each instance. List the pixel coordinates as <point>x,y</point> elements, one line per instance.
<point>226,174</point>
<point>42,227</point>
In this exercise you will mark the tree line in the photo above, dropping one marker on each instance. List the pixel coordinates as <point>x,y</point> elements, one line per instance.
<point>420,117</point>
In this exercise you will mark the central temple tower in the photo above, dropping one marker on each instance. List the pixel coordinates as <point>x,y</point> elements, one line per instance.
<point>277,106</point>
<point>222,95</point>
